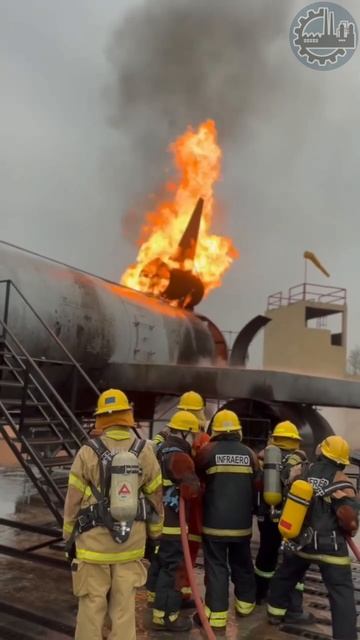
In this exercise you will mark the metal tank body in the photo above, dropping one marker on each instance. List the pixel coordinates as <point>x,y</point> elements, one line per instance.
<point>100,323</point>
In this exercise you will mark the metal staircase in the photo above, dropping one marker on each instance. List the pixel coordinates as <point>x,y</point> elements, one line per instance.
<point>40,425</point>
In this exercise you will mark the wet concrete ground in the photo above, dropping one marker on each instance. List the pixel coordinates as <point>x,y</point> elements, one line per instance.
<point>45,592</point>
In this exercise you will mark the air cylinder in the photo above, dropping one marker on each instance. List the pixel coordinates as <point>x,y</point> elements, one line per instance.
<point>272,479</point>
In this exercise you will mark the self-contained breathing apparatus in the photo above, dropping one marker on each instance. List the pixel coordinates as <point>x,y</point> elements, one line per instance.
<point>118,503</point>
<point>276,471</point>
<point>297,508</point>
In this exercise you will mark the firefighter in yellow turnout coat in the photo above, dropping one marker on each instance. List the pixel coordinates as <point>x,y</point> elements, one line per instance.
<point>105,573</point>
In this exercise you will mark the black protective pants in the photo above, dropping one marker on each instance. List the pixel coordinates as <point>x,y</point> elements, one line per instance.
<point>266,562</point>
<point>338,581</point>
<point>162,576</point>
<point>219,556</point>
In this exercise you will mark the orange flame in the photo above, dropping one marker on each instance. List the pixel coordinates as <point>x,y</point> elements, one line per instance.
<point>197,157</point>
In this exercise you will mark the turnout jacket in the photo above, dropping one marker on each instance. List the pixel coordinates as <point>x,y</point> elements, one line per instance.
<point>330,517</point>
<point>97,544</point>
<point>228,469</point>
<point>178,471</point>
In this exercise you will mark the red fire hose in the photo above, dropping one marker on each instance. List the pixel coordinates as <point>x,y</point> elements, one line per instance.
<point>190,571</point>
<point>354,548</point>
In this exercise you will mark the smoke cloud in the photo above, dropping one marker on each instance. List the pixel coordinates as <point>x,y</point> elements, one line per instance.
<point>180,62</point>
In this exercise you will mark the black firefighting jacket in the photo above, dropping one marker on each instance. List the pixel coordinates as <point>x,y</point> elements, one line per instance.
<point>228,469</point>
<point>171,480</point>
<point>327,540</point>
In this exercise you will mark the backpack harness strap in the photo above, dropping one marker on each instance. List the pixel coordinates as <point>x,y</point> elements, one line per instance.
<point>98,514</point>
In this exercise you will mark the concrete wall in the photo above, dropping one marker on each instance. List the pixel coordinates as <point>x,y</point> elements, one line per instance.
<point>289,345</point>
<point>345,422</point>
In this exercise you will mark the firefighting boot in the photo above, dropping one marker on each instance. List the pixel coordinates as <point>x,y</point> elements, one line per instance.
<point>171,623</point>
<point>217,630</point>
<point>303,617</point>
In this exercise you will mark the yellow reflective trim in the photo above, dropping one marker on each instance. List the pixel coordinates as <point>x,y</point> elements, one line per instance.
<point>75,482</point>
<point>171,531</point>
<point>264,574</point>
<point>300,586</point>
<point>236,533</point>
<point>158,617</point>
<point>109,558</point>
<point>217,614</point>
<point>194,538</point>
<point>167,483</point>
<point>245,608</point>
<point>228,468</point>
<point>274,611</point>
<point>186,591</point>
<point>150,487</point>
<point>117,434</point>
<point>217,619</point>
<point>150,596</point>
<point>322,557</point>
<point>154,527</point>
<point>68,527</point>
<point>158,439</point>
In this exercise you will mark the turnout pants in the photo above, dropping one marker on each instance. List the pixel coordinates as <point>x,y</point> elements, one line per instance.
<point>338,581</point>
<point>106,591</point>
<point>266,562</point>
<point>162,578</point>
<point>219,555</point>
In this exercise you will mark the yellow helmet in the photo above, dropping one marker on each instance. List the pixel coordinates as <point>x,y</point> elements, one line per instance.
<point>225,421</point>
<point>286,430</point>
<point>184,421</point>
<point>191,401</point>
<point>336,448</point>
<point>112,400</point>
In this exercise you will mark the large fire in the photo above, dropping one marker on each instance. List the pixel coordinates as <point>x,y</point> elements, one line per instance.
<point>197,157</point>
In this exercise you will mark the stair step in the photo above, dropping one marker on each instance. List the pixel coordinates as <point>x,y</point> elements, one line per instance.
<point>29,403</point>
<point>6,367</point>
<point>62,483</point>
<point>34,422</point>
<point>59,461</point>
<point>15,383</point>
<point>34,442</point>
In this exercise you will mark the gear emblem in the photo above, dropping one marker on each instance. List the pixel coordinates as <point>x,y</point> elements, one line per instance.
<point>323,36</point>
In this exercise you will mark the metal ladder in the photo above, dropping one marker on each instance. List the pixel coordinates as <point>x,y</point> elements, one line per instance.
<point>40,426</point>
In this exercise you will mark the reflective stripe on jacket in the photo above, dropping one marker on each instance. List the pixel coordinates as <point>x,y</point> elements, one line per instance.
<point>97,544</point>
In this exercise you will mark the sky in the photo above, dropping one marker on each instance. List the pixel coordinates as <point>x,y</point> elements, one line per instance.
<point>92,93</point>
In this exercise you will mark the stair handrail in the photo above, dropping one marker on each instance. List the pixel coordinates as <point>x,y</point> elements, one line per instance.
<point>10,284</point>
<point>50,387</point>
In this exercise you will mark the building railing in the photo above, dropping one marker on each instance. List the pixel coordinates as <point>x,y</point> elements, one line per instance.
<point>308,292</point>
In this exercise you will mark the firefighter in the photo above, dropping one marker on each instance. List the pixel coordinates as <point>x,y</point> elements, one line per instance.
<point>189,401</point>
<point>193,402</point>
<point>179,478</point>
<point>228,469</point>
<point>287,438</point>
<point>333,515</point>
<point>106,566</point>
